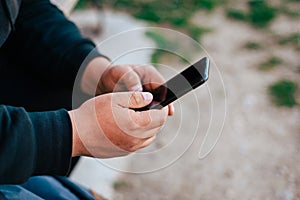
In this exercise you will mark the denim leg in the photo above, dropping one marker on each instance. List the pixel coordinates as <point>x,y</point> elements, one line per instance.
<point>45,187</point>
<point>48,187</point>
<point>16,192</point>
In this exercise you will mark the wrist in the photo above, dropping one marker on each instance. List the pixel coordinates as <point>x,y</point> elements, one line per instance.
<point>92,74</point>
<point>77,145</point>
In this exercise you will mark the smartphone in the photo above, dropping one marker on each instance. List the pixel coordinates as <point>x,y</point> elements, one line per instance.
<point>189,79</point>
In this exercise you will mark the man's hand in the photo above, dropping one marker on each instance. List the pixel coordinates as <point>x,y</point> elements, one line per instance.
<point>120,78</point>
<point>107,126</point>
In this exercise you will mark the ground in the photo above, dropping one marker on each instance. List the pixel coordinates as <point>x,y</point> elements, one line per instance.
<point>257,155</point>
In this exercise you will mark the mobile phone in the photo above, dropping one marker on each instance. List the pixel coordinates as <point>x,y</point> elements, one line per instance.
<point>187,80</point>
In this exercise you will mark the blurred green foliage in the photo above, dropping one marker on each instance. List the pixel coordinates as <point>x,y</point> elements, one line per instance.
<point>163,44</point>
<point>259,14</point>
<point>165,47</point>
<point>119,185</point>
<point>252,45</point>
<point>197,32</point>
<point>176,13</point>
<point>236,14</point>
<point>290,13</point>
<point>166,5</point>
<point>271,63</point>
<point>283,93</point>
<point>81,4</point>
<point>293,39</point>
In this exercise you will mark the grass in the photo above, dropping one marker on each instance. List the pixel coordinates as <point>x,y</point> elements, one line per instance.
<point>161,41</point>
<point>196,32</point>
<point>119,185</point>
<point>271,63</point>
<point>171,13</point>
<point>163,44</point>
<point>259,13</point>
<point>289,9</point>
<point>252,45</point>
<point>237,14</point>
<point>167,5</point>
<point>298,69</point>
<point>283,93</point>
<point>285,1</point>
<point>290,13</point>
<point>156,55</point>
<point>293,39</point>
<point>175,13</point>
<point>166,47</point>
<point>82,4</point>
<point>208,4</point>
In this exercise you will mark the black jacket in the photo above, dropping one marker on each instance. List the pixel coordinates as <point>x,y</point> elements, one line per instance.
<point>35,34</point>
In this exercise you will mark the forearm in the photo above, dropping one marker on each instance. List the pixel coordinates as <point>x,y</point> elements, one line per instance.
<point>92,75</point>
<point>33,143</point>
<point>47,44</point>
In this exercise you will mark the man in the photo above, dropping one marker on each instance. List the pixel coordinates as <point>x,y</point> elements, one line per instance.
<point>40,55</point>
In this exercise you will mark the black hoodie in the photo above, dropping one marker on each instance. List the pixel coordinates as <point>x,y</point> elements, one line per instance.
<point>35,34</point>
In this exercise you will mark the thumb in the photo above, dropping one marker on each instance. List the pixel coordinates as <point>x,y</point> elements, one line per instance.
<point>132,99</point>
<point>132,81</point>
<point>128,77</point>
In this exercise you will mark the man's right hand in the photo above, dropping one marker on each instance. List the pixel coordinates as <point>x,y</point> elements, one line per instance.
<point>107,126</point>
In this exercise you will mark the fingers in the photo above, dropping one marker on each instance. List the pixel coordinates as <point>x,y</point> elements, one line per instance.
<point>147,142</point>
<point>150,76</point>
<point>171,110</point>
<point>125,75</point>
<point>137,124</point>
<point>158,118</point>
<point>132,77</point>
<point>150,118</point>
<point>139,144</point>
<point>151,79</point>
<point>148,122</point>
<point>132,99</point>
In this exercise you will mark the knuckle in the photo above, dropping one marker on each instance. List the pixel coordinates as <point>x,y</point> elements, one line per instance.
<point>113,70</point>
<point>135,98</point>
<point>131,149</point>
<point>162,122</point>
<point>131,127</point>
<point>132,145</point>
<point>163,119</point>
<point>130,77</point>
<point>140,119</point>
<point>145,121</point>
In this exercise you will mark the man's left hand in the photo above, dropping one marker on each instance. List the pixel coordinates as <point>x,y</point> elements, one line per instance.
<point>116,78</point>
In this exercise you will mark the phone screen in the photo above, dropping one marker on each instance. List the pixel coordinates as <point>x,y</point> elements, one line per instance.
<point>189,79</point>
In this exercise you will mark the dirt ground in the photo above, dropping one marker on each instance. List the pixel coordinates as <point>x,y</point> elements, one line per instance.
<point>257,155</point>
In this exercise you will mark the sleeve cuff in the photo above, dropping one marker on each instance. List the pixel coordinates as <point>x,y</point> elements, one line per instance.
<point>54,142</point>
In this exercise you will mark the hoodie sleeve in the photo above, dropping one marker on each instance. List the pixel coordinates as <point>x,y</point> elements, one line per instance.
<point>35,143</point>
<point>47,44</point>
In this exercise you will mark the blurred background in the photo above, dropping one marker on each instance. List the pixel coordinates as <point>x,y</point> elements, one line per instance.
<point>255,47</point>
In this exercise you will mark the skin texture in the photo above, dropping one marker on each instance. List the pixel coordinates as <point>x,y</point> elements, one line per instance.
<point>102,77</point>
<point>106,125</point>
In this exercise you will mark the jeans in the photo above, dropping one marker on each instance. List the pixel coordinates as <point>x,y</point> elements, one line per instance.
<point>45,187</point>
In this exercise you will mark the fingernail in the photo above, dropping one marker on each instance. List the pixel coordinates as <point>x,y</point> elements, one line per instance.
<point>137,88</point>
<point>147,96</point>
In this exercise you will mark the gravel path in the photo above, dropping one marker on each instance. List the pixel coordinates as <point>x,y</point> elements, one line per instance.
<point>257,156</point>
